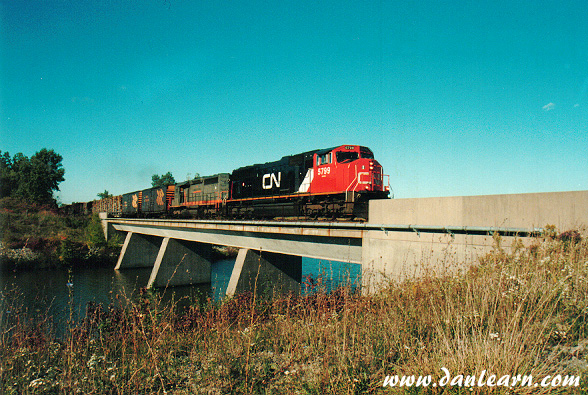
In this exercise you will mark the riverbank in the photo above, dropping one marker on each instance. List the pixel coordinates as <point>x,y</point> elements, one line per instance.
<point>38,237</point>
<point>515,315</point>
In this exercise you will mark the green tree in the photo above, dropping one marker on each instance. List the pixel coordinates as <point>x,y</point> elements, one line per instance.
<point>162,181</point>
<point>104,195</point>
<point>33,179</point>
<point>7,181</point>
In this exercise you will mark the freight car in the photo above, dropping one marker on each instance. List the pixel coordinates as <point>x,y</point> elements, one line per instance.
<point>151,202</point>
<point>76,209</point>
<point>131,204</point>
<point>157,201</point>
<point>110,204</point>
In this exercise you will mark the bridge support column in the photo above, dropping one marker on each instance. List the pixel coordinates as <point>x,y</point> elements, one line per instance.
<point>266,273</point>
<point>181,262</point>
<point>138,251</point>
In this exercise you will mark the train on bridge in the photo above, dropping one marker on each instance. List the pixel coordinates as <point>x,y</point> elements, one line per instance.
<point>336,182</point>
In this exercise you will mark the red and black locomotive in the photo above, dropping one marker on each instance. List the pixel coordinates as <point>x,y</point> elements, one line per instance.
<point>333,183</point>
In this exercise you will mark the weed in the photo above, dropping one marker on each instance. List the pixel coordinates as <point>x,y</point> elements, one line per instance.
<point>519,313</point>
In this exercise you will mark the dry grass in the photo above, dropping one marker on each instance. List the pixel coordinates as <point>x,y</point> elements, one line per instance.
<point>523,313</point>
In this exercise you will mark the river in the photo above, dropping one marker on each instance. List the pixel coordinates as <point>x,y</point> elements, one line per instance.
<point>63,294</point>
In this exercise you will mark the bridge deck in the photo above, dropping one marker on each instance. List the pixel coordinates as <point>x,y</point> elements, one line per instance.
<point>338,243</point>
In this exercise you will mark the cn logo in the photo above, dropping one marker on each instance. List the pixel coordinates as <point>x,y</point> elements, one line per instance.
<point>270,180</point>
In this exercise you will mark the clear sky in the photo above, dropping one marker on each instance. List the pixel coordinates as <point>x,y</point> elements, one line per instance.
<point>453,97</point>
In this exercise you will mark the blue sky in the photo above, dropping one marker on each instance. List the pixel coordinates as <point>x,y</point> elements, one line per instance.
<point>454,98</point>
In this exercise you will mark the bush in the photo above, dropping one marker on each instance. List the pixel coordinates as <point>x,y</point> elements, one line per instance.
<point>95,233</point>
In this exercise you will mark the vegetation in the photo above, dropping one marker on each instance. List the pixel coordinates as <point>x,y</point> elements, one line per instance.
<point>33,180</point>
<point>189,176</point>
<point>104,195</point>
<point>36,236</point>
<point>163,180</point>
<point>523,312</point>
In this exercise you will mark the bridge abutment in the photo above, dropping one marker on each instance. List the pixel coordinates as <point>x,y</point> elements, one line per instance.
<point>265,273</point>
<point>392,257</point>
<point>434,250</point>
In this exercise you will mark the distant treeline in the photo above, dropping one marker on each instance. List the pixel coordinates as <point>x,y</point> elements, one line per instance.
<point>32,179</point>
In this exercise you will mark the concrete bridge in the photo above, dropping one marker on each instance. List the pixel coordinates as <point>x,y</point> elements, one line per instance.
<point>404,238</point>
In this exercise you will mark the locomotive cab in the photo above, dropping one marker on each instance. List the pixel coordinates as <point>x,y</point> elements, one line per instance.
<point>349,169</point>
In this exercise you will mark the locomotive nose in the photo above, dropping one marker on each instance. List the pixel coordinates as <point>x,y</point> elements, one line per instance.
<point>377,176</point>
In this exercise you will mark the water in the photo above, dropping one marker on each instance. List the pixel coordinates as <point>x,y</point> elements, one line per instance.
<point>63,294</point>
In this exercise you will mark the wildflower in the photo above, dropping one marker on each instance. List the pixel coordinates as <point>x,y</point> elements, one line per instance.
<point>495,336</point>
<point>559,334</point>
<point>36,383</point>
<point>95,360</point>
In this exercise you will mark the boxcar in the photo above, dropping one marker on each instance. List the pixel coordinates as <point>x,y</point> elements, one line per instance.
<point>157,200</point>
<point>131,203</point>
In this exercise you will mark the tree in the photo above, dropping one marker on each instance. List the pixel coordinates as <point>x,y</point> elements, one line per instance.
<point>189,176</point>
<point>165,180</point>
<point>7,181</point>
<point>33,179</point>
<point>104,195</point>
<point>46,174</point>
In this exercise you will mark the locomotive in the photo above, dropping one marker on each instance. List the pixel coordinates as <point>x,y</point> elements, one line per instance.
<point>336,182</point>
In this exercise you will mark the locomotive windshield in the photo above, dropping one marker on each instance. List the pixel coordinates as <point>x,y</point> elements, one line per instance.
<point>367,154</point>
<point>344,157</point>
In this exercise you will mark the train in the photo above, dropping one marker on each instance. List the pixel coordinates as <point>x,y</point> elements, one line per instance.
<point>331,183</point>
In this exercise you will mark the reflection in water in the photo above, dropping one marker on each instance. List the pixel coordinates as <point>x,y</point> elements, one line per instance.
<point>63,294</point>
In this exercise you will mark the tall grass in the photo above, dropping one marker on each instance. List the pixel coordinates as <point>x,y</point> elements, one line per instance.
<point>523,312</point>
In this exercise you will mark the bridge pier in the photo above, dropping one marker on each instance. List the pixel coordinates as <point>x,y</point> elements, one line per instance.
<point>174,262</point>
<point>266,273</point>
<point>181,262</point>
<point>138,250</point>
